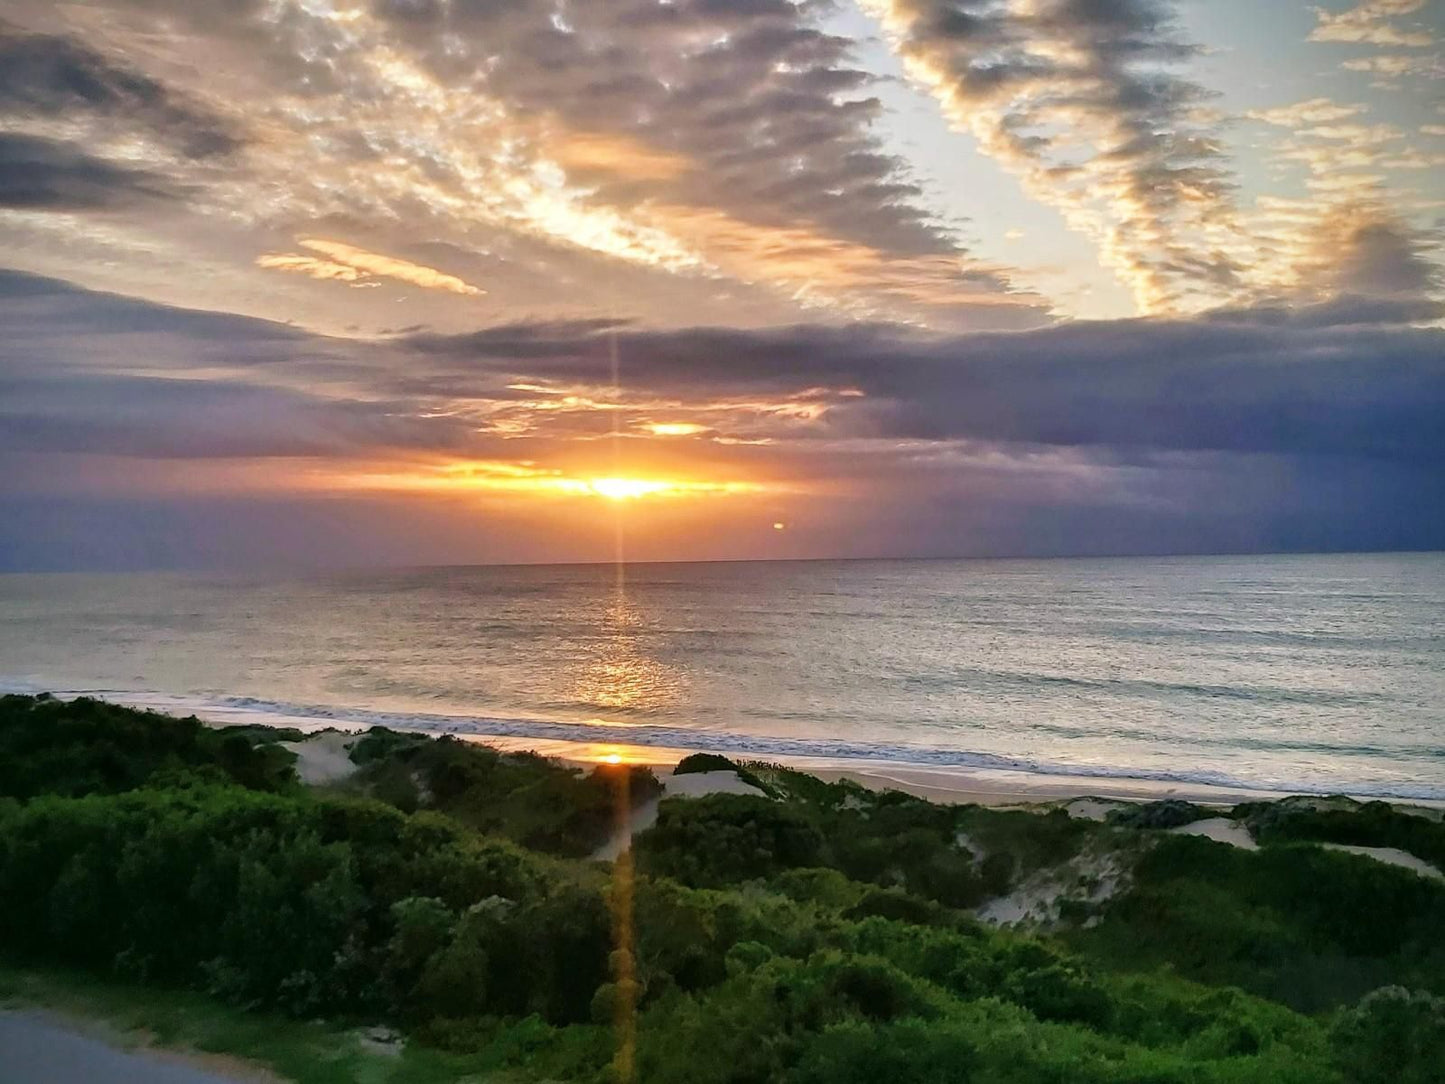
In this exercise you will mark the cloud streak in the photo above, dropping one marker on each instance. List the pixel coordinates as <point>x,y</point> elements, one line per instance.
<point>1371,23</point>
<point>355,266</point>
<point>1078,99</point>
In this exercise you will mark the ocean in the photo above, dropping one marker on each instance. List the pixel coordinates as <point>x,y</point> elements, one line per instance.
<point>1279,673</point>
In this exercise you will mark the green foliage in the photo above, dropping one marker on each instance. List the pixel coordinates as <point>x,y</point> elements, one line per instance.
<point>726,838</point>
<point>1307,927</point>
<point>822,935</point>
<point>889,839</point>
<point>1169,813</point>
<point>1393,1036</point>
<point>86,746</point>
<point>539,803</point>
<point>1373,824</point>
<point>308,904</point>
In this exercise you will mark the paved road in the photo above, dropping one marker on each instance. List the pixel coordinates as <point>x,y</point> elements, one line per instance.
<point>36,1050</point>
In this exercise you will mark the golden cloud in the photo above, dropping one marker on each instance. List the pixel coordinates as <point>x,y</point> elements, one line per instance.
<point>372,263</point>
<point>622,156</point>
<point>309,265</point>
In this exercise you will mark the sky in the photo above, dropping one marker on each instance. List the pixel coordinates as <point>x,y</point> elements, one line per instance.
<point>316,283</point>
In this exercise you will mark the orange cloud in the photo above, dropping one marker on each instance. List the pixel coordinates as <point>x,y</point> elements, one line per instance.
<point>309,265</point>
<point>618,155</point>
<point>372,263</point>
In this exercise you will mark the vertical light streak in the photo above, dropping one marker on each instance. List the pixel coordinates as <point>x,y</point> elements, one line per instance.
<point>624,962</point>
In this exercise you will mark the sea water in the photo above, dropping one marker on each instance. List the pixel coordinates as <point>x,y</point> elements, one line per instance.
<point>1290,673</point>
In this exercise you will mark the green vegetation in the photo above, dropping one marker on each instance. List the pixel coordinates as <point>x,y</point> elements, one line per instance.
<point>525,798</point>
<point>823,935</point>
<point>86,746</point>
<point>1373,824</point>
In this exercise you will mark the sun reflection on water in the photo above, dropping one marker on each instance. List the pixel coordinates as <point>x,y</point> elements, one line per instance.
<point>620,673</point>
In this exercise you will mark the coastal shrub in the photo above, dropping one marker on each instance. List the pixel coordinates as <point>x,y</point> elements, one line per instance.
<point>1168,813</point>
<point>727,838</point>
<point>818,937</point>
<point>291,901</point>
<point>539,803</point>
<point>1032,840</point>
<point>1311,928</point>
<point>1371,824</point>
<point>1392,1036</point>
<point>85,746</point>
<point>704,762</point>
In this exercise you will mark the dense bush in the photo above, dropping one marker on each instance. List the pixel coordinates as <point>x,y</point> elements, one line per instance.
<point>266,898</point>
<point>1393,1036</point>
<point>1373,824</point>
<point>539,803</point>
<point>726,838</point>
<point>85,746</point>
<point>1169,813</point>
<point>818,937</point>
<point>1308,927</point>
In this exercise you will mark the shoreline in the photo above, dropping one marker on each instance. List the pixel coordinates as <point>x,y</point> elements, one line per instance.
<point>950,784</point>
<point>945,785</point>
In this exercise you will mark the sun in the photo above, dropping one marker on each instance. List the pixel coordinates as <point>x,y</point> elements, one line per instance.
<point>621,489</point>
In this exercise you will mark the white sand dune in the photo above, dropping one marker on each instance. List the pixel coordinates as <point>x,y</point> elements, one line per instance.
<point>1090,877</point>
<point>1093,809</point>
<point>1221,830</point>
<point>1393,856</point>
<point>323,758</point>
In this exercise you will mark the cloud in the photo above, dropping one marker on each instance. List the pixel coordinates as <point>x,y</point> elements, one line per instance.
<point>1397,66</point>
<point>1306,114</point>
<point>46,175</point>
<point>1079,100</point>
<point>325,270</point>
<point>720,147</point>
<point>1369,23</point>
<point>1264,426</point>
<point>49,75</point>
<point>354,265</point>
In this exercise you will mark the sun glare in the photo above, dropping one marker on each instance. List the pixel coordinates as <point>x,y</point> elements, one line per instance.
<point>621,489</point>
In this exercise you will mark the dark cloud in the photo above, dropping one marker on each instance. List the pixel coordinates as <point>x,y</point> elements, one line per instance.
<point>34,307</point>
<point>1297,387</point>
<point>45,175</point>
<point>1239,431</point>
<point>45,75</point>
<point>1344,309</point>
<point>1383,257</point>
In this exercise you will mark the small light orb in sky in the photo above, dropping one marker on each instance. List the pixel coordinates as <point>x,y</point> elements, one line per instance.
<point>780,526</point>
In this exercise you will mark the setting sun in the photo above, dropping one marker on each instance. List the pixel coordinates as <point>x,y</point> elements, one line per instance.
<point>621,489</point>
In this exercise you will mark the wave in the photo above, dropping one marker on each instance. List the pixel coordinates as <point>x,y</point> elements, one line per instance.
<point>249,709</point>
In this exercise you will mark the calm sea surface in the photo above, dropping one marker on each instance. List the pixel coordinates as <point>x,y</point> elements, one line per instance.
<point>1287,672</point>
